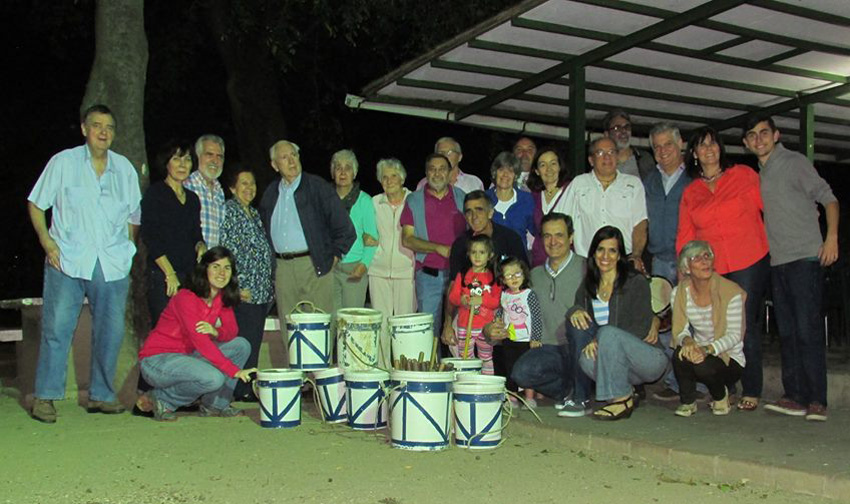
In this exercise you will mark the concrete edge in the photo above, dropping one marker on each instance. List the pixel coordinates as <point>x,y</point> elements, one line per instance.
<point>717,468</point>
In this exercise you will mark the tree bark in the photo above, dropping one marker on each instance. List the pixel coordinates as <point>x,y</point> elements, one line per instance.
<point>118,74</point>
<point>252,87</point>
<point>117,80</point>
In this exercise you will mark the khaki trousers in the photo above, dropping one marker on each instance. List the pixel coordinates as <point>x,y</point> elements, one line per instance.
<point>295,280</point>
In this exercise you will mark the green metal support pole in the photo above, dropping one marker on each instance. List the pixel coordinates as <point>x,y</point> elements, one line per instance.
<point>577,121</point>
<point>807,131</point>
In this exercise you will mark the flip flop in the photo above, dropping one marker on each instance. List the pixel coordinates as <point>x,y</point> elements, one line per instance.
<point>747,404</point>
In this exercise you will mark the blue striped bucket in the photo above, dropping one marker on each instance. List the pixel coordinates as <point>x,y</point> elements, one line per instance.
<point>420,404</point>
<point>330,386</point>
<point>279,391</point>
<point>367,409</point>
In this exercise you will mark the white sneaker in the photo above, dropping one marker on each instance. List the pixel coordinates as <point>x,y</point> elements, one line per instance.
<point>530,404</point>
<point>686,410</point>
<point>572,409</point>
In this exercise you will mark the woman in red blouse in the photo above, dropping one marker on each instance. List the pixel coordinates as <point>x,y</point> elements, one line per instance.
<point>723,207</point>
<point>194,350</point>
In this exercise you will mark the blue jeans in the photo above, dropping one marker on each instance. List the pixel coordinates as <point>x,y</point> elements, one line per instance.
<point>753,280</point>
<point>429,295</point>
<point>63,300</point>
<point>797,301</point>
<point>578,382</point>
<point>666,269</point>
<point>179,379</point>
<point>622,360</point>
<point>544,369</point>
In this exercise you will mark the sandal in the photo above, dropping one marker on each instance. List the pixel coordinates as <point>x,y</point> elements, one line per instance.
<point>748,403</point>
<point>604,413</point>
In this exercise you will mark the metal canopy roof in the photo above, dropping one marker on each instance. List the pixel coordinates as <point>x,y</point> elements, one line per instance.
<point>690,62</point>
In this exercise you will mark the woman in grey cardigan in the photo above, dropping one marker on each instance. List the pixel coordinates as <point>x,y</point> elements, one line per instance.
<point>613,326</point>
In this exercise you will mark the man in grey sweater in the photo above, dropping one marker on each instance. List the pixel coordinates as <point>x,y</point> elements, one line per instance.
<point>547,369</point>
<point>790,189</point>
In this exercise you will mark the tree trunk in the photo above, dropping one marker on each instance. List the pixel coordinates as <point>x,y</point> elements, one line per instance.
<point>117,80</point>
<point>118,74</point>
<point>252,87</point>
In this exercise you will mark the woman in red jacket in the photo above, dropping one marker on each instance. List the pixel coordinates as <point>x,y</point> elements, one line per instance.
<point>194,350</point>
<point>723,207</point>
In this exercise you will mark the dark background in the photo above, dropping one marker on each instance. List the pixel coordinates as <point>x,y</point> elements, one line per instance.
<point>48,49</point>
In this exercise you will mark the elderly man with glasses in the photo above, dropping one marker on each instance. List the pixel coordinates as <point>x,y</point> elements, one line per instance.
<point>606,197</point>
<point>617,125</point>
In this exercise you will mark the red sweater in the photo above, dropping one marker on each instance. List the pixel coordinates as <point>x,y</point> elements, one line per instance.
<point>175,332</point>
<point>729,219</point>
<point>491,296</point>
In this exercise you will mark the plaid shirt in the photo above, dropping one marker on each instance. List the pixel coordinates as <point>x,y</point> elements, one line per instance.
<point>212,206</point>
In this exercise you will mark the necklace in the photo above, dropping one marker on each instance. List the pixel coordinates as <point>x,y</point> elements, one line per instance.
<point>711,178</point>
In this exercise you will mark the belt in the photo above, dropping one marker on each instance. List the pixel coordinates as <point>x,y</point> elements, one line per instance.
<point>288,256</point>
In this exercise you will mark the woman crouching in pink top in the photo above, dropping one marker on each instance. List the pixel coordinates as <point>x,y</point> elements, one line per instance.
<point>194,350</point>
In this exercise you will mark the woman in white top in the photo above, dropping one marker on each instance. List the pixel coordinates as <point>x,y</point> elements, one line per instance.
<point>708,330</point>
<point>547,181</point>
<point>391,272</point>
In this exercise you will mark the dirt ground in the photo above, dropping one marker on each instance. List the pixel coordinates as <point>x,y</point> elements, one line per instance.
<point>100,459</point>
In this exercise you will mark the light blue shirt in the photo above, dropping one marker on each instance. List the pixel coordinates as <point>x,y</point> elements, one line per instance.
<point>90,213</point>
<point>668,181</point>
<point>600,312</point>
<point>564,264</point>
<point>287,233</point>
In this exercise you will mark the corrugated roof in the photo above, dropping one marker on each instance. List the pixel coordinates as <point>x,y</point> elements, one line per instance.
<point>690,62</point>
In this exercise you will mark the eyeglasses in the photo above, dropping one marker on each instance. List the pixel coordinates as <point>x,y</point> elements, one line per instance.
<point>601,153</point>
<point>621,127</point>
<point>704,257</point>
<point>512,276</point>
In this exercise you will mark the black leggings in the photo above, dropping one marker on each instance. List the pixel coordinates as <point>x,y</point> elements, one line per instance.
<point>715,373</point>
<point>508,353</point>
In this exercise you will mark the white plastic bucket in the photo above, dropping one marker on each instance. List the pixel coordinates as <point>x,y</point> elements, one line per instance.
<point>358,330</point>
<point>411,335</point>
<point>330,386</point>
<point>478,412</point>
<point>279,391</point>
<point>464,366</point>
<point>420,405</point>
<point>367,407</point>
<point>479,378</point>
<point>309,340</point>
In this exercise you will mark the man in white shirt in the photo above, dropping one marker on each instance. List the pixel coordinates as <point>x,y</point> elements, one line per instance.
<point>94,197</point>
<point>607,197</point>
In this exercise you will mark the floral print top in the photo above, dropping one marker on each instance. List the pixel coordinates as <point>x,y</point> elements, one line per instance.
<point>243,234</point>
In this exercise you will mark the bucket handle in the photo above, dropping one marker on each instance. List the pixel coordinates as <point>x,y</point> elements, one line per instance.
<point>313,307</point>
<point>387,392</point>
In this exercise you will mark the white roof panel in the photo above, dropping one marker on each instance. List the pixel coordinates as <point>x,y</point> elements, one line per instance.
<point>780,23</point>
<point>590,17</point>
<point>507,34</point>
<point>755,50</point>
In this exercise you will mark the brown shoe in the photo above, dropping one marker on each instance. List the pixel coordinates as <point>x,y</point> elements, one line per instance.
<point>43,411</point>
<point>109,408</point>
<point>146,403</point>
<point>816,412</point>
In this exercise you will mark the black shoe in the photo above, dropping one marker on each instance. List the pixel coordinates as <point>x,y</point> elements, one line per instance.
<point>248,397</point>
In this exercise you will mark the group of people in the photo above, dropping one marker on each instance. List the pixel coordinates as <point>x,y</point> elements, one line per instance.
<point>542,277</point>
